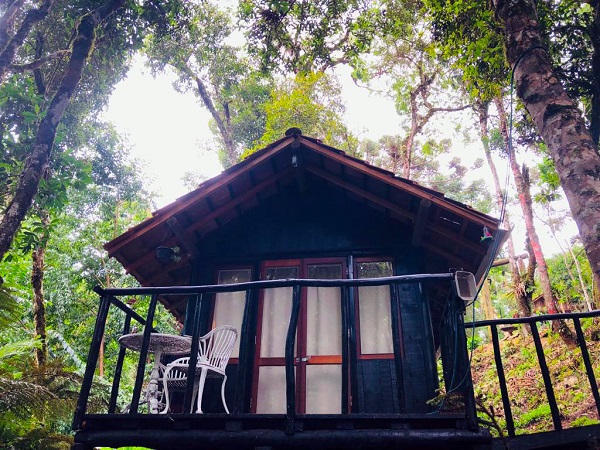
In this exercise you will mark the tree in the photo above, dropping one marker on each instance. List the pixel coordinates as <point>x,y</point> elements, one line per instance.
<point>556,117</point>
<point>39,155</point>
<point>519,287</point>
<point>9,45</point>
<point>406,56</point>
<point>311,102</point>
<point>310,36</point>
<point>550,192</point>
<point>523,185</point>
<point>572,277</point>
<point>195,46</point>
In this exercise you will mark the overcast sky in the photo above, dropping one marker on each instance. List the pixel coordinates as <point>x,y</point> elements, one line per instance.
<point>169,132</point>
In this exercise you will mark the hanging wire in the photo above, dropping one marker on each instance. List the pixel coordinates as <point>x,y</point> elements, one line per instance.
<point>495,242</point>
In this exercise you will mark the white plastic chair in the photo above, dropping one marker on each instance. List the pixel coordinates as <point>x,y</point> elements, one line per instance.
<point>214,351</point>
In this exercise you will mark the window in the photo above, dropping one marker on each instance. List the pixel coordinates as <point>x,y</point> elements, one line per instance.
<point>374,309</point>
<point>229,306</point>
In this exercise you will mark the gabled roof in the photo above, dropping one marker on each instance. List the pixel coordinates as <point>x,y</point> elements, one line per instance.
<point>448,228</point>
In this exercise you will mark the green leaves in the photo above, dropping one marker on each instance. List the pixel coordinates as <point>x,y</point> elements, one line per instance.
<point>309,36</point>
<point>311,102</point>
<point>472,42</point>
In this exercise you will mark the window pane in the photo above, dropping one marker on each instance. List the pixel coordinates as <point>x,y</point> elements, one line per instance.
<point>229,306</point>
<point>324,389</point>
<point>376,269</point>
<point>374,309</point>
<point>277,308</point>
<point>271,390</point>
<point>324,315</point>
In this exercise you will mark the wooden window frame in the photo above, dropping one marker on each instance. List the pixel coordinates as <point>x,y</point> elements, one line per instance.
<point>301,339</point>
<point>359,354</point>
<point>213,302</point>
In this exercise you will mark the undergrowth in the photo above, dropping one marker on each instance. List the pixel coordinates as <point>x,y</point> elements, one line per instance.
<point>526,388</point>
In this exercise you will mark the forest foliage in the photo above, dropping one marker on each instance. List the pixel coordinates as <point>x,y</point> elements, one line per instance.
<point>68,182</point>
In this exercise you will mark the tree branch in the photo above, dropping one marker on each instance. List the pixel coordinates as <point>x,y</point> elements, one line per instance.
<point>20,68</point>
<point>39,157</point>
<point>32,17</point>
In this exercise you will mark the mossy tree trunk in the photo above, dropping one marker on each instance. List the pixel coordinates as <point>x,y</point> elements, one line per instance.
<point>38,159</point>
<point>556,117</point>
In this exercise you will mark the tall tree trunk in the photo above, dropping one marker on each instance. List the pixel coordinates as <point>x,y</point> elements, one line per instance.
<point>522,183</point>
<point>519,290</point>
<point>39,157</point>
<point>224,130</point>
<point>9,49</point>
<point>556,118</point>
<point>582,285</point>
<point>486,304</point>
<point>582,288</point>
<point>523,190</point>
<point>37,282</point>
<point>524,300</point>
<point>596,288</point>
<point>7,21</point>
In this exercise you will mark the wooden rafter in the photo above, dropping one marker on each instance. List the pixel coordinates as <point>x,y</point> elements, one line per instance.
<point>163,214</point>
<point>391,206</point>
<point>236,201</point>
<point>400,184</point>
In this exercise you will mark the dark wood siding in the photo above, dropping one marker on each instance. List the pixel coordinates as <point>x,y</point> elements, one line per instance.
<point>320,222</point>
<point>377,387</point>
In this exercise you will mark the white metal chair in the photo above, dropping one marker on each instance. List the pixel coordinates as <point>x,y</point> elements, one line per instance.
<point>214,351</point>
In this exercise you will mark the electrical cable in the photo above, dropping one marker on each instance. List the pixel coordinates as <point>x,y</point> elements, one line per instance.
<point>494,249</point>
<point>454,321</point>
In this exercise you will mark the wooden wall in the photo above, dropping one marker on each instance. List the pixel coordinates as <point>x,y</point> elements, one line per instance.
<point>321,222</point>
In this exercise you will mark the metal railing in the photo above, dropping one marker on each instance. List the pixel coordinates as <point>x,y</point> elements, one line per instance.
<point>108,298</point>
<point>532,323</point>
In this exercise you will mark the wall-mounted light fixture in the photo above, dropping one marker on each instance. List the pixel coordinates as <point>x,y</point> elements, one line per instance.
<point>164,254</point>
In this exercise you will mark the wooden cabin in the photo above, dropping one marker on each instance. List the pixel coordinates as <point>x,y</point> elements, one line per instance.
<point>364,363</point>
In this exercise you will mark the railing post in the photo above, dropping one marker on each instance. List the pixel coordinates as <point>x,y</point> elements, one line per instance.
<point>546,376</point>
<point>345,348</point>
<point>353,356</point>
<point>397,344</point>
<point>510,424</point>
<point>464,364</point>
<point>141,369</point>
<point>191,374</point>
<point>92,360</point>
<point>242,371</point>
<point>586,361</point>
<point>114,392</point>
<point>290,379</point>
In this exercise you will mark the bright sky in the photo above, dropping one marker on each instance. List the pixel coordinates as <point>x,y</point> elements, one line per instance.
<point>169,132</point>
<point>165,129</point>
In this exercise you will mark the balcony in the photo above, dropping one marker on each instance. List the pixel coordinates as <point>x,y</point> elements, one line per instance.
<point>451,423</point>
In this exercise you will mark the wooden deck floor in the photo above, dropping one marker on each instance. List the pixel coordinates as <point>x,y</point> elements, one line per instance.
<point>191,431</point>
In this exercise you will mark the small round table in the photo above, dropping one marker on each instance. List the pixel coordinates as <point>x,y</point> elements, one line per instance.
<point>170,344</point>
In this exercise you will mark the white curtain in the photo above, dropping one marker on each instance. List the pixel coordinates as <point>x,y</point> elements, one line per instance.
<point>229,306</point>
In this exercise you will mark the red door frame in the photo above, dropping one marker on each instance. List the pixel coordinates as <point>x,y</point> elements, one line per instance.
<point>301,338</point>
